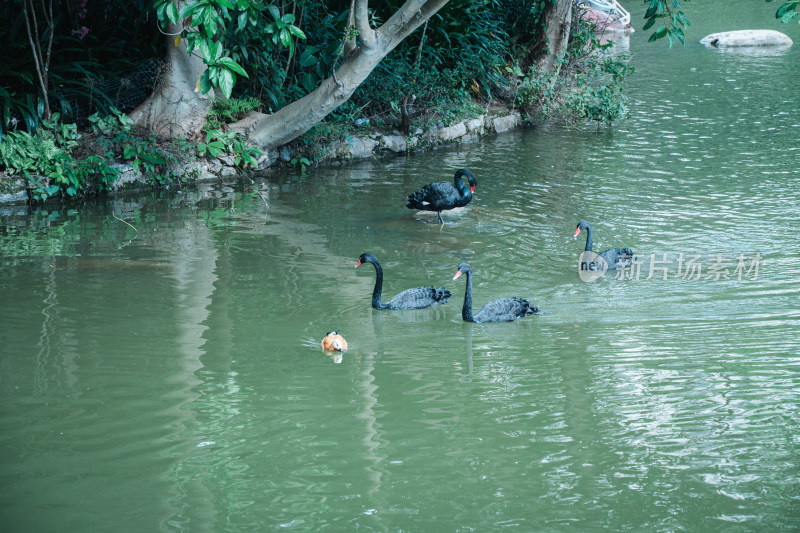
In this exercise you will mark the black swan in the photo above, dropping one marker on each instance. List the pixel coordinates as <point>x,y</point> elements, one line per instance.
<point>417,298</point>
<point>334,342</point>
<point>441,195</point>
<point>614,257</point>
<point>502,310</point>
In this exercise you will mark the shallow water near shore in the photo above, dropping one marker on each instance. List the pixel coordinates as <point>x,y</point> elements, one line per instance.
<point>169,377</point>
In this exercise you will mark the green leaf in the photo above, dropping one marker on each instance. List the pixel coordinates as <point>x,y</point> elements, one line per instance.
<point>210,21</point>
<point>205,83</point>
<point>309,81</point>
<point>649,24</point>
<point>286,38</point>
<point>660,32</point>
<point>189,9</point>
<point>307,59</point>
<point>213,75</point>
<point>276,14</point>
<point>215,148</point>
<point>172,13</point>
<point>227,80</point>
<point>297,32</point>
<point>129,151</point>
<point>652,9</point>
<point>783,10</point>
<point>226,4</point>
<point>156,159</point>
<point>205,51</point>
<point>230,64</point>
<point>680,35</point>
<point>242,20</point>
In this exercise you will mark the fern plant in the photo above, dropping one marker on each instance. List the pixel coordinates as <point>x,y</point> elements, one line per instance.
<point>227,110</point>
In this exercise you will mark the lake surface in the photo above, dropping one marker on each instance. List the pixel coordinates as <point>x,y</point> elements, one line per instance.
<point>169,378</point>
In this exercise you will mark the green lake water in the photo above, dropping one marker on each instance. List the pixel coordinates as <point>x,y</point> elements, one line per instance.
<point>170,378</point>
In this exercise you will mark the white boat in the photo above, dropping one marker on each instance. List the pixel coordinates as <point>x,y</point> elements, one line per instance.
<point>608,15</point>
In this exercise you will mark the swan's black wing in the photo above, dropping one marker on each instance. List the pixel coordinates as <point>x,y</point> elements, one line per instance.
<point>505,310</point>
<point>617,257</point>
<point>437,196</point>
<point>419,298</point>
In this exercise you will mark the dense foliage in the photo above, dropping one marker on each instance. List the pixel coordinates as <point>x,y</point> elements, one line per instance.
<point>87,47</point>
<point>275,52</point>
<point>91,61</point>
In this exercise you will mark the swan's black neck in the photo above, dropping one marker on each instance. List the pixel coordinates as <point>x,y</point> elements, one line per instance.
<point>466,310</point>
<point>588,238</point>
<point>463,189</point>
<point>376,292</point>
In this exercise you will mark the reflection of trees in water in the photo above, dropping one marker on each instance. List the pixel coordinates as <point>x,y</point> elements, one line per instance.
<point>373,439</point>
<point>466,375</point>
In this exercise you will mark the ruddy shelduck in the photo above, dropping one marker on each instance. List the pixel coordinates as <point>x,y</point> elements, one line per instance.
<point>334,342</point>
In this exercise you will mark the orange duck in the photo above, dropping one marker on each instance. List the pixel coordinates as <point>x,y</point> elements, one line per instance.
<point>334,342</point>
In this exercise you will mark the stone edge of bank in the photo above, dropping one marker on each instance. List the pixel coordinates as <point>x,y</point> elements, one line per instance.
<point>13,190</point>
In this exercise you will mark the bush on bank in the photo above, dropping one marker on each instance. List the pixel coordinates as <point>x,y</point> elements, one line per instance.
<point>474,56</point>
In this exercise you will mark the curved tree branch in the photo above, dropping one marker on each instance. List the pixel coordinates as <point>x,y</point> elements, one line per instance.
<point>271,131</point>
<point>349,44</point>
<point>361,18</point>
<point>408,18</point>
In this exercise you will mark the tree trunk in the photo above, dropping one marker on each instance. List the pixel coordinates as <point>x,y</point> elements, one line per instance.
<point>175,109</point>
<point>271,131</point>
<point>558,23</point>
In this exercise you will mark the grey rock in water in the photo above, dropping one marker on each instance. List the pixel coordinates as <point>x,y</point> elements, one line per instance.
<point>746,38</point>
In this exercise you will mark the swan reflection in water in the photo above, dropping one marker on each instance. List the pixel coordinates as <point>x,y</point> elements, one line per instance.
<point>466,377</point>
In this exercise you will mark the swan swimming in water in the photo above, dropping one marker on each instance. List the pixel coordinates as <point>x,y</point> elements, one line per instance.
<point>417,298</point>
<point>614,257</point>
<point>502,310</point>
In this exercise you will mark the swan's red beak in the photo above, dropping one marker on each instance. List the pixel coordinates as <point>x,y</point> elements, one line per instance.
<point>577,230</point>
<point>458,273</point>
<point>472,189</point>
<point>357,264</point>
